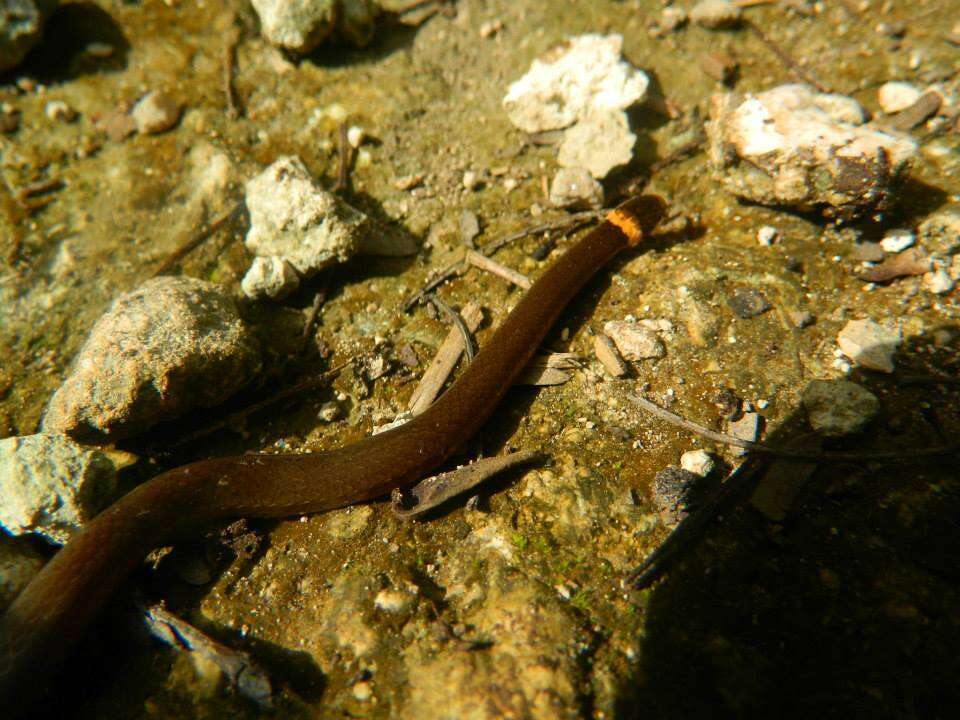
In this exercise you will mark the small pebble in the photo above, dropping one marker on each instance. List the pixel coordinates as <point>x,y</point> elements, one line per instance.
<point>408,182</point>
<point>575,188</point>
<point>767,235</point>
<point>699,462</point>
<point>838,407</point>
<point>329,411</point>
<point>671,493</point>
<point>61,112</point>
<point>363,691</point>
<point>897,240</point>
<point>634,341</point>
<point>748,303</point>
<point>869,344</point>
<point>491,28</point>
<point>355,136</point>
<point>938,282</point>
<point>715,14</point>
<point>469,227</point>
<point>868,252</point>
<point>801,318</point>
<point>609,357</point>
<point>896,96</point>
<point>471,181</point>
<point>155,112</point>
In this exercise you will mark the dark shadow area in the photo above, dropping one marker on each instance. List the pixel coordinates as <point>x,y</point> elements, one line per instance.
<point>845,608</point>
<point>390,36</point>
<point>80,39</point>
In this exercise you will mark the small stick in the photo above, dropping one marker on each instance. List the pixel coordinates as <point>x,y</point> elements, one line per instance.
<point>434,491</point>
<point>444,361</point>
<point>312,317</point>
<point>240,669</point>
<point>193,243</point>
<point>458,323</point>
<point>788,454</point>
<point>294,390</point>
<point>567,223</point>
<point>792,65</point>
<point>450,271</point>
<point>234,110</point>
<point>38,188</point>
<point>492,266</point>
<point>344,155</point>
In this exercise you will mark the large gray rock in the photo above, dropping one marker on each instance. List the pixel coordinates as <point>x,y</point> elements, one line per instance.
<point>795,147</point>
<point>21,27</point>
<point>293,219</point>
<point>839,407</point>
<point>51,485</point>
<point>172,344</point>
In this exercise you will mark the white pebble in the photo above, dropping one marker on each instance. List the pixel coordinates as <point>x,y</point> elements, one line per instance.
<point>767,235</point>
<point>698,462</point>
<point>896,96</point>
<point>897,240</point>
<point>938,282</point>
<point>470,180</point>
<point>355,136</point>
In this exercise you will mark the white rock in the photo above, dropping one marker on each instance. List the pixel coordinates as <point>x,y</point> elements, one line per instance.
<point>869,344</point>
<point>896,96</point>
<point>393,601</point>
<point>293,218</point>
<point>59,110</point>
<point>575,188</point>
<point>583,76</point>
<point>155,112</point>
<point>897,240</point>
<point>598,143</point>
<point>838,407</point>
<point>296,25</point>
<point>270,277</point>
<point>715,14</point>
<point>634,341</point>
<point>699,462</point>
<point>51,485</point>
<point>470,180</point>
<point>355,136</point>
<point>938,282</point>
<point>795,147</point>
<point>767,235</point>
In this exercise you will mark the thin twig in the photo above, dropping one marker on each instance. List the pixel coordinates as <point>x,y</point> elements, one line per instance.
<point>459,324</point>
<point>567,223</point>
<point>788,454</point>
<point>791,65</point>
<point>193,243</point>
<point>234,109</point>
<point>311,322</point>
<point>344,156</point>
<point>294,390</point>
<point>450,271</point>
<point>481,261</point>
<point>443,362</point>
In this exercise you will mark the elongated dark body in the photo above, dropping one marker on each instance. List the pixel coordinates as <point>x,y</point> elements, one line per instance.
<point>49,616</point>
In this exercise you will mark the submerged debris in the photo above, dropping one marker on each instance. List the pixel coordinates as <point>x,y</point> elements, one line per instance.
<point>672,487</point>
<point>634,340</point>
<point>795,147</point>
<point>155,112</point>
<point>51,485</point>
<point>172,344</point>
